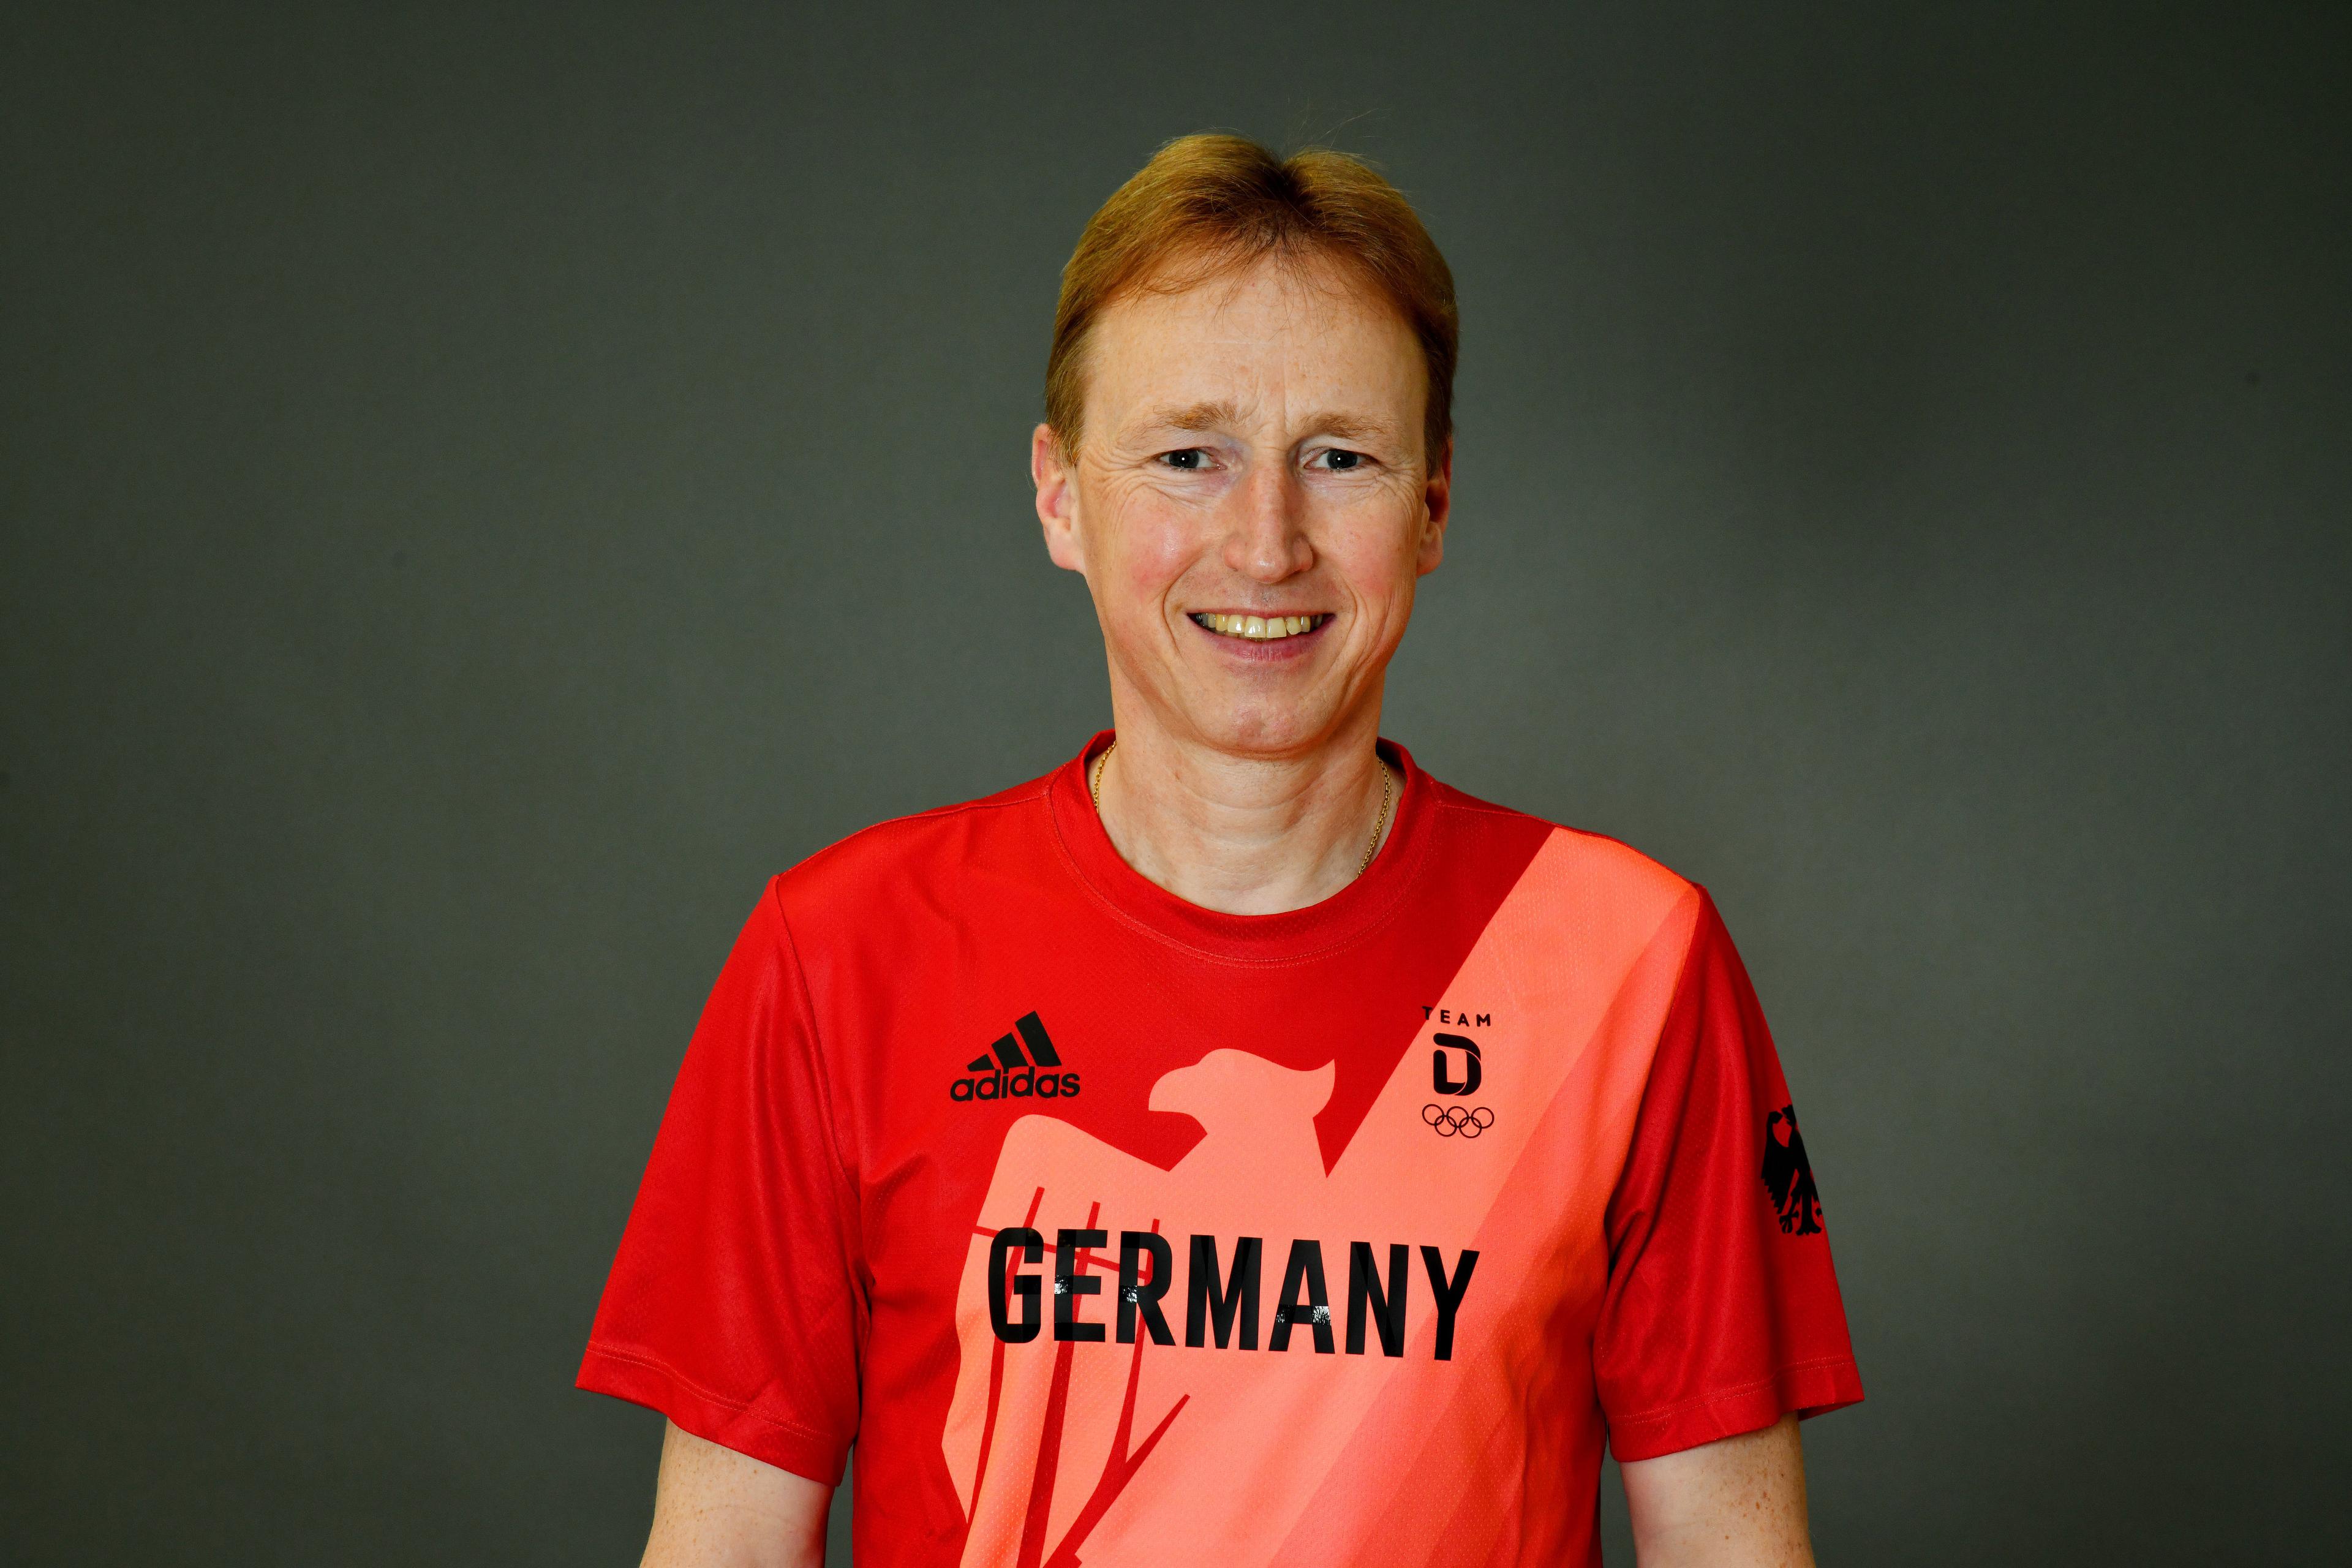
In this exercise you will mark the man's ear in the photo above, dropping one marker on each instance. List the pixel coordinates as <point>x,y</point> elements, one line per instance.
<point>1437,499</point>
<point>1055,472</point>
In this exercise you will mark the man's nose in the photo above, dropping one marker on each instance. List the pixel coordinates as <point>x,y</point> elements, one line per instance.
<point>1268,540</point>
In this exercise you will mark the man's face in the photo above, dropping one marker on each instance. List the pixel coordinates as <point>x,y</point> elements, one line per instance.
<point>1252,449</point>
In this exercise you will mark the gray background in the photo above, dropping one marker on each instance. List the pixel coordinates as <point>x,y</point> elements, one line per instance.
<point>484,489</point>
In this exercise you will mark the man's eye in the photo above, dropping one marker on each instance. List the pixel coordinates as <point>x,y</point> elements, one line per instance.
<point>1189,459</point>
<point>1341,460</point>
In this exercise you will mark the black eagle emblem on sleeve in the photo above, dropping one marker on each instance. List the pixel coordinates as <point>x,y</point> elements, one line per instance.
<point>1788,1176</point>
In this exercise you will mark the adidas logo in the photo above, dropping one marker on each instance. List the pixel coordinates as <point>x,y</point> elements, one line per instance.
<point>1010,1074</point>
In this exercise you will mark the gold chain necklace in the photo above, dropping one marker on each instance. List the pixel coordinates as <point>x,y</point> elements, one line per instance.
<point>1380,823</point>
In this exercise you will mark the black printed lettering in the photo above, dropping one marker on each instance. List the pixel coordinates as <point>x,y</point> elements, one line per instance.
<point>1449,1297</point>
<point>1070,1282</point>
<point>1206,1295</point>
<point>1386,1307</point>
<point>1137,1296</point>
<point>1305,1268</point>
<point>1022,1330</point>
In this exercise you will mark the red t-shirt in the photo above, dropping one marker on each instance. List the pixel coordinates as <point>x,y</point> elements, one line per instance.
<point>1111,1229</point>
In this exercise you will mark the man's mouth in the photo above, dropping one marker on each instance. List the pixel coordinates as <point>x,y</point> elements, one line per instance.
<point>1257,628</point>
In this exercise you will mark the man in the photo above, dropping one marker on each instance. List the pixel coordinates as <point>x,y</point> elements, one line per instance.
<point>1235,1146</point>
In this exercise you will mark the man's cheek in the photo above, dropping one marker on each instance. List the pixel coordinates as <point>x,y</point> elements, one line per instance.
<point>1153,555</point>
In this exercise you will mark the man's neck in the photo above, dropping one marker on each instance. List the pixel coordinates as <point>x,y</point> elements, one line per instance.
<point>1245,835</point>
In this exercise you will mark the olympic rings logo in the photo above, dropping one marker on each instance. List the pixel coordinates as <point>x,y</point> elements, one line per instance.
<point>1452,1121</point>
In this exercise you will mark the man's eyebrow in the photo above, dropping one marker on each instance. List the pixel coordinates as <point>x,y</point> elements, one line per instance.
<point>1353,428</point>
<point>1216,415</point>
<point>1192,416</point>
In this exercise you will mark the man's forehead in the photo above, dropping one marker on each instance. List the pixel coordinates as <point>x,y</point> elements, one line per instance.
<point>1212,358</point>
<point>1268,298</point>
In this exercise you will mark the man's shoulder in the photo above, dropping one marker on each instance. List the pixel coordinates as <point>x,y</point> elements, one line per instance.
<point>922,852</point>
<point>1573,863</point>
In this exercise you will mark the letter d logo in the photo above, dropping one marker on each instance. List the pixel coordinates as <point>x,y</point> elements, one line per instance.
<point>1441,1080</point>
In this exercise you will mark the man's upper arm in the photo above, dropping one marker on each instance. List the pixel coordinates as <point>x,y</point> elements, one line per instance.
<point>735,1305</point>
<point>715,1508</point>
<point>1737,1502</point>
<point>1721,1312</point>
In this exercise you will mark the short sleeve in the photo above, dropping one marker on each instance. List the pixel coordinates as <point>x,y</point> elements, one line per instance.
<point>1722,1313</point>
<point>735,1305</point>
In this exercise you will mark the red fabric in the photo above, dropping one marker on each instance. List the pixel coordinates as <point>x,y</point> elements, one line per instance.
<point>1718,1320</point>
<point>805,1266</point>
<point>735,1304</point>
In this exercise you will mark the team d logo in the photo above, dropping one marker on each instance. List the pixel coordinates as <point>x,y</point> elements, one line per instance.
<point>1454,1071</point>
<point>1013,1073</point>
<point>1453,1050</point>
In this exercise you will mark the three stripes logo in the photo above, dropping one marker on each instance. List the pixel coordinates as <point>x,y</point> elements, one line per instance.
<point>1015,1068</point>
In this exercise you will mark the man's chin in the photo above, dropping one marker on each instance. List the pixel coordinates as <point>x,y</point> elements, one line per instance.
<point>1271,730</point>
<point>1271,712</point>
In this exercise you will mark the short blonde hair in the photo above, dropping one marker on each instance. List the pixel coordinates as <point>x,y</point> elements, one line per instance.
<point>1208,203</point>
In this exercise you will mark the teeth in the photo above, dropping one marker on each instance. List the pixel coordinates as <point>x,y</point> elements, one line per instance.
<point>1261,628</point>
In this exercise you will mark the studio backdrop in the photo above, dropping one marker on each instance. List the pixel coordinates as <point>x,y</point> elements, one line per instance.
<point>486,486</point>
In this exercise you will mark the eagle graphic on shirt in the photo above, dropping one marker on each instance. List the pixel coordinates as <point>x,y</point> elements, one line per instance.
<point>1048,1461</point>
<point>1319,1434</point>
<point>1788,1176</point>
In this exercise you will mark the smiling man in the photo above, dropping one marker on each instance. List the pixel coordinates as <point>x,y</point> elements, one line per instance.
<point>1236,1145</point>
